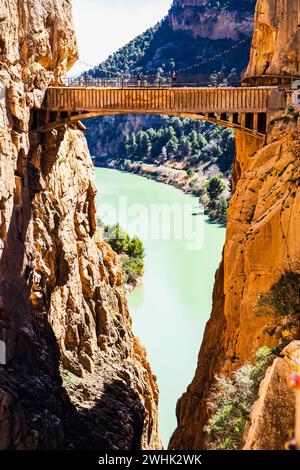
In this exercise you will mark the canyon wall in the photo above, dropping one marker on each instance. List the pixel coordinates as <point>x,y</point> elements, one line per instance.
<point>213,20</point>
<point>72,375</point>
<point>262,241</point>
<point>275,47</point>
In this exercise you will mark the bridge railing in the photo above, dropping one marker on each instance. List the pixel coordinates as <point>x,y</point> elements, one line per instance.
<point>144,82</point>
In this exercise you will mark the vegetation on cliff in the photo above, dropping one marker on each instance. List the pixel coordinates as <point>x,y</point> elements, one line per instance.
<point>130,250</point>
<point>214,200</point>
<point>163,48</point>
<point>231,401</point>
<point>282,301</point>
<point>182,140</point>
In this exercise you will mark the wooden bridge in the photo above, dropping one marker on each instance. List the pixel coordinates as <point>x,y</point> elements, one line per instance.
<point>246,108</point>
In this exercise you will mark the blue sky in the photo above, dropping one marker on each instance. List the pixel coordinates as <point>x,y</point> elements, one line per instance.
<point>105,25</point>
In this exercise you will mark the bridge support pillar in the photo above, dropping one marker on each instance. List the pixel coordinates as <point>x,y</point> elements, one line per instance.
<point>268,123</point>
<point>243,120</point>
<point>255,122</point>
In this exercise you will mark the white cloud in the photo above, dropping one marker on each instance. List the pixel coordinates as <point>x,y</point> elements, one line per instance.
<point>103,26</point>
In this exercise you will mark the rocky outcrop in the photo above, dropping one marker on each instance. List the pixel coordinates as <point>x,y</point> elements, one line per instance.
<point>273,415</point>
<point>276,43</point>
<point>72,375</point>
<point>262,244</point>
<point>201,18</point>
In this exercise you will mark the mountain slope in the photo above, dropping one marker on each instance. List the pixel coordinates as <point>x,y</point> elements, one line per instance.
<point>194,32</point>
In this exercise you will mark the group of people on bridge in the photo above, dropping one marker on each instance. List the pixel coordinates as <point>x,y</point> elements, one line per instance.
<point>138,80</point>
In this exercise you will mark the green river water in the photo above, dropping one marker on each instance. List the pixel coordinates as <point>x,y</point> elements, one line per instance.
<point>171,307</point>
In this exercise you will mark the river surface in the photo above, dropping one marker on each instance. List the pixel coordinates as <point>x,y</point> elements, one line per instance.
<point>172,305</point>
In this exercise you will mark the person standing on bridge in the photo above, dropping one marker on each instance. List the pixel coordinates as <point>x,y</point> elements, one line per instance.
<point>174,76</point>
<point>138,79</point>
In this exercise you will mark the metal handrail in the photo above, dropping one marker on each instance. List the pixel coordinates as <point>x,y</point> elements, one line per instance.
<point>143,82</point>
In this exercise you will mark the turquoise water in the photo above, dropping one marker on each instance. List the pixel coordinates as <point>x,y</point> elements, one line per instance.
<point>172,306</point>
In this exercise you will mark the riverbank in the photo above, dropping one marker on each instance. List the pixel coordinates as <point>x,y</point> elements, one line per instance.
<point>190,181</point>
<point>177,177</point>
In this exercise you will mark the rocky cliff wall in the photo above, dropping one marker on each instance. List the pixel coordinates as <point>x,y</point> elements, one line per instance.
<point>262,245</point>
<point>106,134</point>
<point>213,20</point>
<point>276,43</point>
<point>68,359</point>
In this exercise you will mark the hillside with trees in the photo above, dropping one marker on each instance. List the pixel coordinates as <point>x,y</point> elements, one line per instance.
<point>165,47</point>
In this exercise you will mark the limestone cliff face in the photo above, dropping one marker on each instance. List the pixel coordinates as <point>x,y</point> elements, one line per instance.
<point>276,43</point>
<point>262,244</point>
<point>63,313</point>
<point>201,18</point>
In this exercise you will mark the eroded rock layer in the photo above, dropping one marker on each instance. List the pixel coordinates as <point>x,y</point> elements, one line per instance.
<point>63,313</point>
<point>276,43</point>
<point>213,20</point>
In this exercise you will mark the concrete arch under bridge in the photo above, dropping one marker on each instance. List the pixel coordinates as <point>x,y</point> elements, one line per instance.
<point>248,109</point>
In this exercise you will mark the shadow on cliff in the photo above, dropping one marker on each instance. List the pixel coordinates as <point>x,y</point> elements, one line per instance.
<point>115,422</point>
<point>16,264</point>
<point>31,381</point>
<point>42,415</point>
<point>29,338</point>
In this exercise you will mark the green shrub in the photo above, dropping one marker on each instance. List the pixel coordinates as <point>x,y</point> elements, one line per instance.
<point>192,185</point>
<point>131,250</point>
<point>190,172</point>
<point>68,379</point>
<point>133,268</point>
<point>215,187</point>
<point>282,300</point>
<point>217,210</point>
<point>231,401</point>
